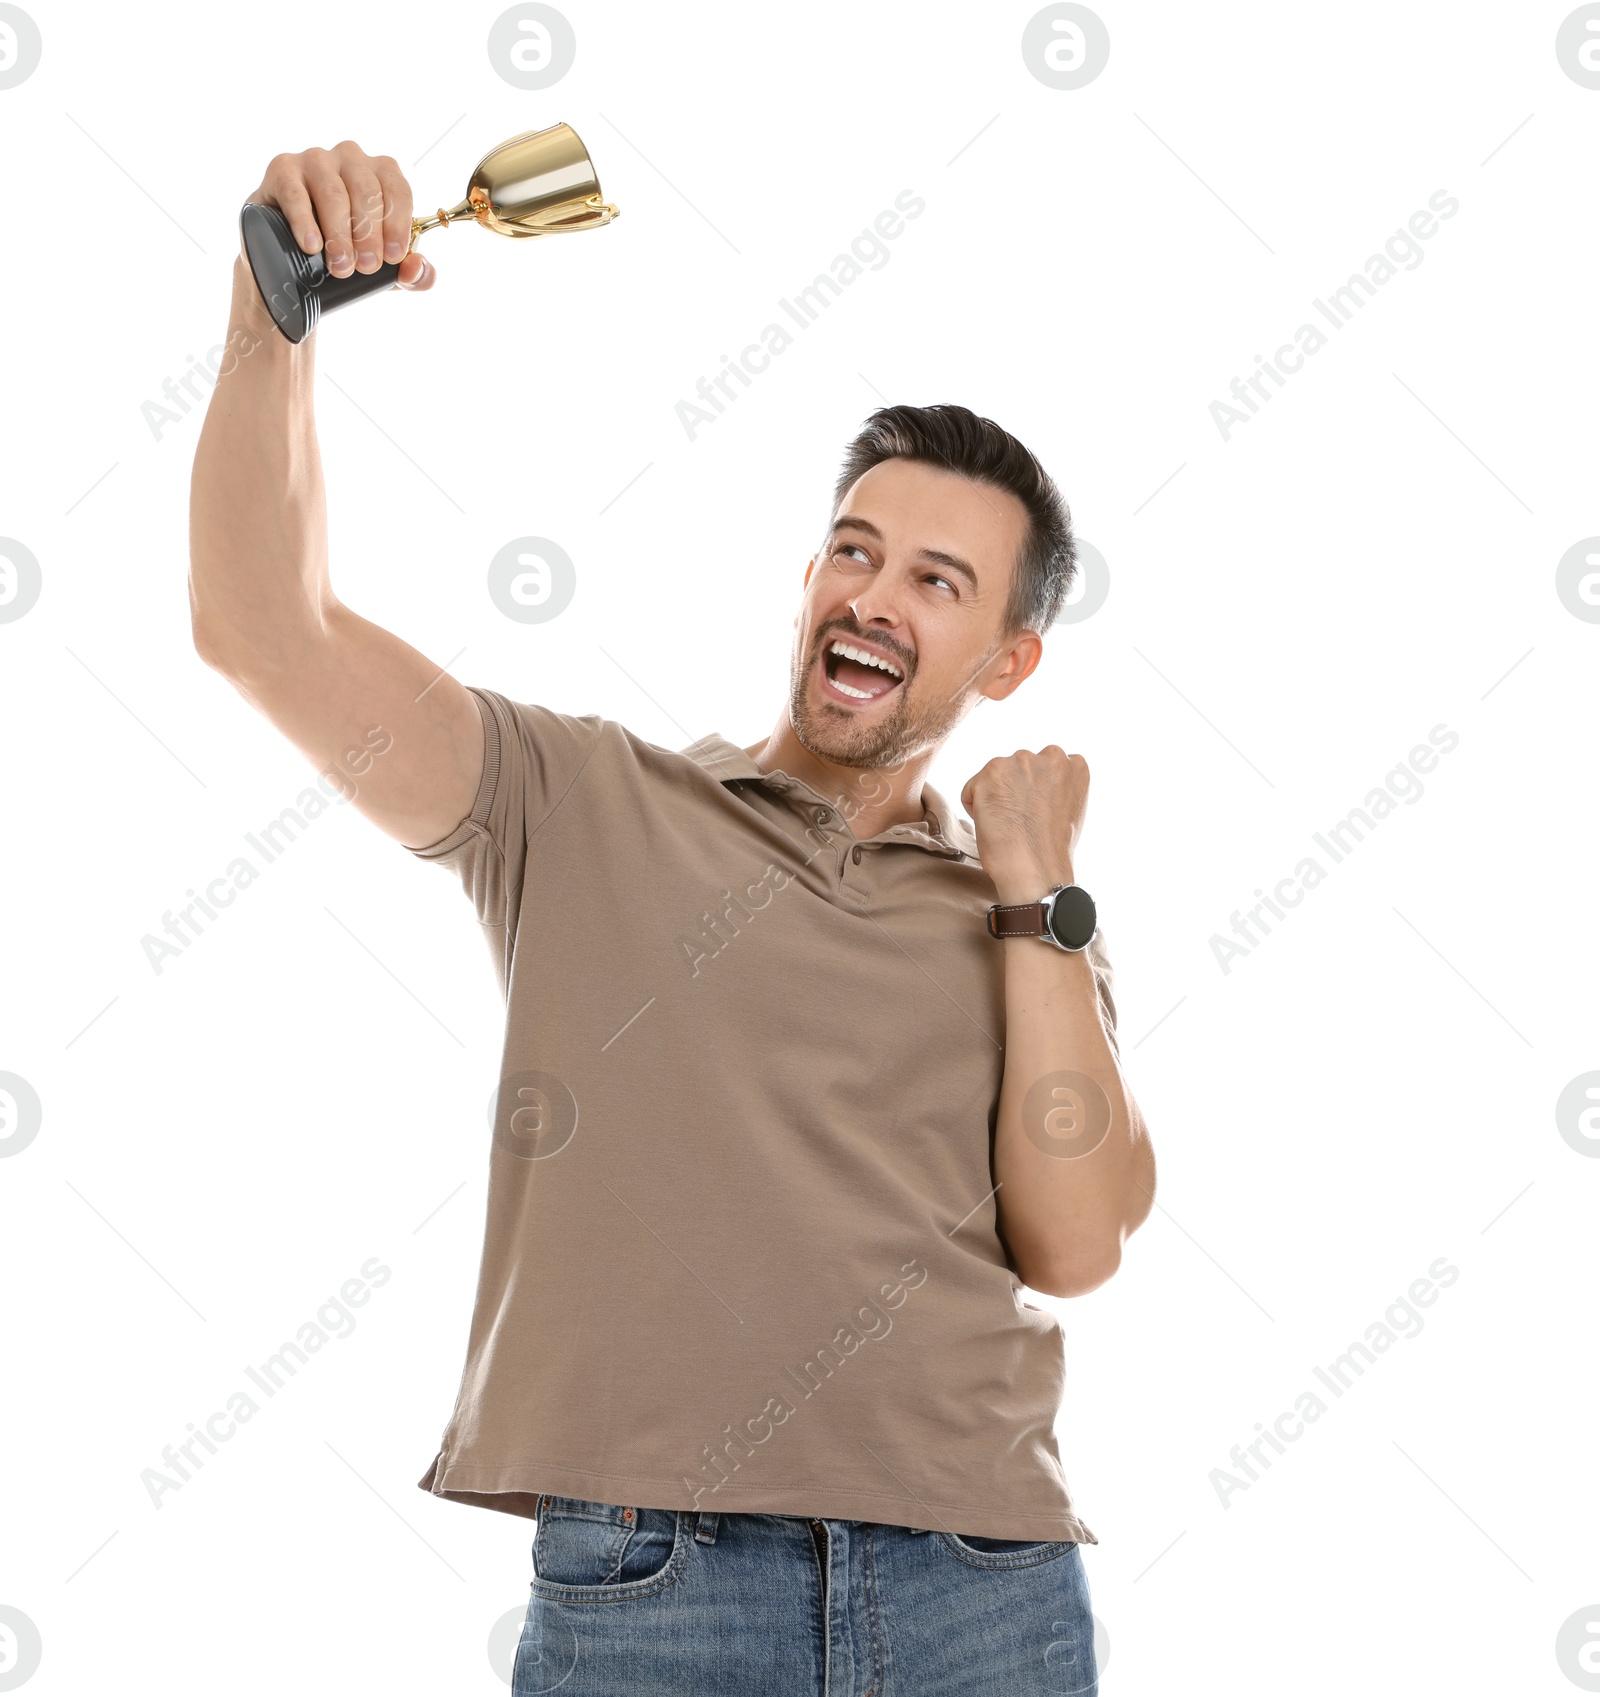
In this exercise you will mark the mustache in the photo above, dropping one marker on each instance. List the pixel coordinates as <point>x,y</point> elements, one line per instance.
<point>844,628</point>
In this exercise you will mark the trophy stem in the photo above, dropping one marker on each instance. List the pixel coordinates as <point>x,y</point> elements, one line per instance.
<point>420,226</point>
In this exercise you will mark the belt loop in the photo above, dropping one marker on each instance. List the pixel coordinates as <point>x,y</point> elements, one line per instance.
<point>706,1531</point>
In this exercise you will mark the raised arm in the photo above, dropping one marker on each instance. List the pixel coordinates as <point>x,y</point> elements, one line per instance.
<point>403,737</point>
<point>1072,1155</point>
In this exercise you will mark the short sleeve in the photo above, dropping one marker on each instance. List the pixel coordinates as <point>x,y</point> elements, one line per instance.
<point>532,757</point>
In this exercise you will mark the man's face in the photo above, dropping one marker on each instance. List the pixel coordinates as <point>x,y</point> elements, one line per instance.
<point>916,571</point>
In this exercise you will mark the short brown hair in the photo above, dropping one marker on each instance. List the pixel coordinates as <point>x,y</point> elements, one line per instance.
<point>958,440</point>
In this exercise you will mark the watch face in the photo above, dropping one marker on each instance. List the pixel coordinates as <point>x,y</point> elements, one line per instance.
<point>1072,917</point>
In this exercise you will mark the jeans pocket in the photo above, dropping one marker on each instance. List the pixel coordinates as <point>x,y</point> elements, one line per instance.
<point>593,1551</point>
<point>1004,1552</point>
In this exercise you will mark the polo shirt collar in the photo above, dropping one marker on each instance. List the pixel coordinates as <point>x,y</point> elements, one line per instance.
<point>940,830</point>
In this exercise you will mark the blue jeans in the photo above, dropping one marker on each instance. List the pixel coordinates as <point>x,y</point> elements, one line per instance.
<point>648,1602</point>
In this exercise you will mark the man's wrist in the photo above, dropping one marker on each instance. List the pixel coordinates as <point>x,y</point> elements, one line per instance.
<point>1014,887</point>
<point>248,313</point>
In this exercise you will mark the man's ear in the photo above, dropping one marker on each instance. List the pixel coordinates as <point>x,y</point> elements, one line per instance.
<point>1019,662</point>
<point>804,582</point>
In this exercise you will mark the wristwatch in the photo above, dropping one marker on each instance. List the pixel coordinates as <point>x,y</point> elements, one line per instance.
<point>1064,916</point>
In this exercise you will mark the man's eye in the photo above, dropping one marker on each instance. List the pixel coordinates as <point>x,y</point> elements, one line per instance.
<point>933,577</point>
<point>852,548</point>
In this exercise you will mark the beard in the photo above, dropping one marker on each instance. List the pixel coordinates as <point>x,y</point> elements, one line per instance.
<point>847,738</point>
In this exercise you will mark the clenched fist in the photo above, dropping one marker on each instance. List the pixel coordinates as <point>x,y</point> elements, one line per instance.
<point>1027,810</point>
<point>355,205</point>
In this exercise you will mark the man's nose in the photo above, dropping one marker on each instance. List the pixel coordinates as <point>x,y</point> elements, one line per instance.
<point>875,603</point>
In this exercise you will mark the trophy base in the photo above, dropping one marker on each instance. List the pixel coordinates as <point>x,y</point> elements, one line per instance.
<point>297,286</point>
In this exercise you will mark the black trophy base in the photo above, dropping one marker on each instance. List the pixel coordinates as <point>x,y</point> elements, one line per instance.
<point>297,286</point>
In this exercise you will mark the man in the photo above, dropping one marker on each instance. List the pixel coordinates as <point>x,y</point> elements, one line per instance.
<point>803,1080</point>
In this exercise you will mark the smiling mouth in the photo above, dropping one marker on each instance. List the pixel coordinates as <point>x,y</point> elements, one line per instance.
<point>852,673</point>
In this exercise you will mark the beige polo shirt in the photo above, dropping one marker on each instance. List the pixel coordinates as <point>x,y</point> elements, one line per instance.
<point>740,1251</point>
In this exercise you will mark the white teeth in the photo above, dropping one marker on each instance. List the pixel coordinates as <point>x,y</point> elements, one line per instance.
<point>865,659</point>
<point>845,689</point>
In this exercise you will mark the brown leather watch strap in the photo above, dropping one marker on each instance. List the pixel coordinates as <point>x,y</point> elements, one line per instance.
<point>1025,919</point>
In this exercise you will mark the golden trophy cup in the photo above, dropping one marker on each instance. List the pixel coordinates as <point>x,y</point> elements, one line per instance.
<point>538,184</point>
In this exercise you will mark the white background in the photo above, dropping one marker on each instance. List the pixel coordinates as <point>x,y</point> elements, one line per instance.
<point>226,1142</point>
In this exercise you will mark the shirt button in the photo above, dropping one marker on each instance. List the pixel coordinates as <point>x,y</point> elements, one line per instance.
<point>855,854</point>
<point>821,816</point>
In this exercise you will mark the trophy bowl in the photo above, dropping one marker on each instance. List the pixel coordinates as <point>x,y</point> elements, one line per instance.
<point>542,183</point>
